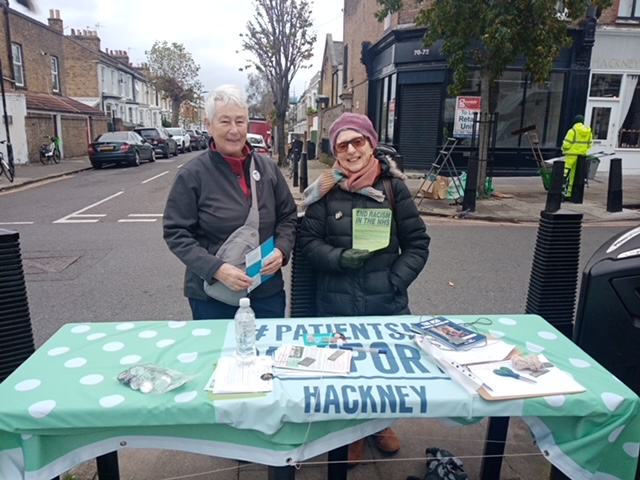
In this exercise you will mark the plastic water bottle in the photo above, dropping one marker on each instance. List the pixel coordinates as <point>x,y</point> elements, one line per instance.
<point>245,320</point>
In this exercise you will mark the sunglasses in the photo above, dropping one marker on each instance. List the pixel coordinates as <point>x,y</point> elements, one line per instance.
<point>357,142</point>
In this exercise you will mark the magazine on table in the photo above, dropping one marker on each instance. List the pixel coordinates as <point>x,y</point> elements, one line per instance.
<point>303,359</point>
<point>449,334</point>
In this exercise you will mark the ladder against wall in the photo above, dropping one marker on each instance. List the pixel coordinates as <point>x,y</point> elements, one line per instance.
<point>442,164</point>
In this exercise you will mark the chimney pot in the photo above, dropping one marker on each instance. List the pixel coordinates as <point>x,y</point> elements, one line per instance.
<point>57,13</point>
<point>51,13</point>
<point>73,32</point>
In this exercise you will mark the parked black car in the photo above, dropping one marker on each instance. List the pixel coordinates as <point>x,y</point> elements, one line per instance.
<point>120,148</point>
<point>160,139</point>
<point>198,142</point>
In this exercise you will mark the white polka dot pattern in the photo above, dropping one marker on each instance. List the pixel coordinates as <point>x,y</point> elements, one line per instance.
<point>26,385</point>
<point>148,334</point>
<point>54,352</point>
<point>113,346</point>
<point>75,362</point>
<point>612,400</point>
<point>111,401</point>
<point>201,332</point>
<point>507,321</point>
<point>547,335</point>
<point>80,329</point>
<point>188,357</point>
<point>93,379</point>
<point>123,327</point>
<point>42,409</point>
<point>96,336</point>
<point>186,397</point>
<point>175,324</point>
<point>165,343</point>
<point>555,400</point>
<point>130,359</point>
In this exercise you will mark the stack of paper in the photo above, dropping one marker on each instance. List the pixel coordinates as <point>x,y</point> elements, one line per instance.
<point>229,377</point>
<point>304,360</point>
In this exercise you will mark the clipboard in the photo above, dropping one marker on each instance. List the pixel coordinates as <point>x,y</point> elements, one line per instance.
<point>554,382</point>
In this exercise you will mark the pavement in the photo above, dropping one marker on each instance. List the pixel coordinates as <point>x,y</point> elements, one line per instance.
<point>516,200</point>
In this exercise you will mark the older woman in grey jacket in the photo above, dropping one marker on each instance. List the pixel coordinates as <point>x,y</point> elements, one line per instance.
<point>211,197</point>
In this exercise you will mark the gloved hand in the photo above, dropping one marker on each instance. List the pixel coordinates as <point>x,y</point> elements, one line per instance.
<point>353,258</point>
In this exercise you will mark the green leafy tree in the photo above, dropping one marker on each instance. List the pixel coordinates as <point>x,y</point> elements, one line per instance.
<point>259,96</point>
<point>495,33</point>
<point>281,40</point>
<point>173,72</point>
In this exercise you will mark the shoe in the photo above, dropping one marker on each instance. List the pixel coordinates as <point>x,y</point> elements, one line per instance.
<point>356,449</point>
<point>387,440</point>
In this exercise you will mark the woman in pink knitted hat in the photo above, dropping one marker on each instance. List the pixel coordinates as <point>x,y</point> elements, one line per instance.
<point>360,281</point>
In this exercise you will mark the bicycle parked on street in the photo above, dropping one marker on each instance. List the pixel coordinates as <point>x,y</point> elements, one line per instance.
<point>50,151</point>
<point>6,166</point>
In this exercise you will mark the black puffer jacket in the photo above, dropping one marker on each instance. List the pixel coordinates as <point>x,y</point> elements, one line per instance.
<point>380,286</point>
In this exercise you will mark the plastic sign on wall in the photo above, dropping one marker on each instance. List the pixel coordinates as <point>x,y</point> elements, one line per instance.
<point>465,108</point>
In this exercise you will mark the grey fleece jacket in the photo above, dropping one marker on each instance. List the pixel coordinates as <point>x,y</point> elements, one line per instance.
<point>206,204</point>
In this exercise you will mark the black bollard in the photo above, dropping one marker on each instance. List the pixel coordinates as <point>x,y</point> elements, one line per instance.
<point>554,274</point>
<point>302,302</point>
<point>304,180</point>
<point>614,192</point>
<point>471,187</point>
<point>577,191</point>
<point>295,169</point>
<point>555,193</point>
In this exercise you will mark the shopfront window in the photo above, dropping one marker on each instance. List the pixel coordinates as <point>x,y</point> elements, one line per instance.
<point>385,116</point>
<point>519,103</point>
<point>629,136</point>
<point>605,85</point>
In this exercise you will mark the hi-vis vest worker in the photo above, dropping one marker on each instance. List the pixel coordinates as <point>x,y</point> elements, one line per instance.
<point>577,142</point>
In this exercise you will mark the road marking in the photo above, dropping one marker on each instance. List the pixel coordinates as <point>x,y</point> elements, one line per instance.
<point>140,217</point>
<point>157,176</point>
<point>16,223</point>
<point>133,220</point>
<point>88,217</point>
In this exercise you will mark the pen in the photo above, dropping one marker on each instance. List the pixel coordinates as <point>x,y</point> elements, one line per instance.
<point>363,349</point>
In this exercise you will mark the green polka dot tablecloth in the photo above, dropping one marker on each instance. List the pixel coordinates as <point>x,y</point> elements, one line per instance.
<point>64,405</point>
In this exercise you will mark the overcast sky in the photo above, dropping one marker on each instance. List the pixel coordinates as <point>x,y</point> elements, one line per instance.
<point>209,30</point>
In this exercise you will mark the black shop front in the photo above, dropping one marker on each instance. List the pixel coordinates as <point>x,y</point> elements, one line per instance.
<point>407,101</point>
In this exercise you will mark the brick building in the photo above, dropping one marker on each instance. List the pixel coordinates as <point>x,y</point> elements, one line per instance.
<point>330,92</point>
<point>36,90</point>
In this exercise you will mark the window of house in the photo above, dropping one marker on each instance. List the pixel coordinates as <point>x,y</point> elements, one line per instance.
<point>605,85</point>
<point>629,136</point>
<point>55,74</point>
<point>103,80</point>
<point>18,67</point>
<point>114,82</point>
<point>629,9</point>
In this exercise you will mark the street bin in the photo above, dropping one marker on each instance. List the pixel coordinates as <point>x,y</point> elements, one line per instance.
<point>607,324</point>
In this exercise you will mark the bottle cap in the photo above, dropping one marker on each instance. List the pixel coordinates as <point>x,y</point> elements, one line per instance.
<point>245,302</point>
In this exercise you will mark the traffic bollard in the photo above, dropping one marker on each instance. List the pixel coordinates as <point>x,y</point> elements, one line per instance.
<point>614,191</point>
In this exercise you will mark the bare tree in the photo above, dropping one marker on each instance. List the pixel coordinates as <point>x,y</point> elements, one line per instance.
<point>280,38</point>
<point>259,97</point>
